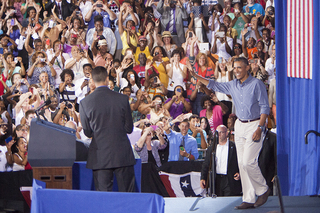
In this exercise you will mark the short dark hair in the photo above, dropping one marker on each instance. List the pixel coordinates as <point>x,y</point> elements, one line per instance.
<point>29,112</point>
<point>98,18</point>
<point>207,98</point>
<point>66,71</point>
<point>185,121</point>
<point>193,116</point>
<point>87,65</point>
<point>241,59</point>
<point>158,96</point>
<point>266,29</point>
<point>99,74</point>
<point>174,52</point>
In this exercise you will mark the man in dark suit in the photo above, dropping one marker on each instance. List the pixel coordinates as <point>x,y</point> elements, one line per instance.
<point>63,9</point>
<point>106,117</point>
<point>227,179</point>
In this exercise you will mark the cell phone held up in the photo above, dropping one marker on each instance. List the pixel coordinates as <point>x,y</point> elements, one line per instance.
<point>181,147</point>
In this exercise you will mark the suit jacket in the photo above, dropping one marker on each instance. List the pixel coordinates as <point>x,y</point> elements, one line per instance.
<point>235,185</point>
<point>180,14</point>
<point>106,117</point>
<point>66,9</point>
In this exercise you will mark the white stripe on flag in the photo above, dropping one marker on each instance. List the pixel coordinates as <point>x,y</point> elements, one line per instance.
<point>299,38</point>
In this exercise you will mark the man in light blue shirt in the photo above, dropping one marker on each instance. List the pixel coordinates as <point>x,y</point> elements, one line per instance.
<point>251,101</point>
<point>182,147</point>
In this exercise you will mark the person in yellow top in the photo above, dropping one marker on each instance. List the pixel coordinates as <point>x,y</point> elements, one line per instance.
<point>142,48</point>
<point>159,61</point>
<point>127,33</point>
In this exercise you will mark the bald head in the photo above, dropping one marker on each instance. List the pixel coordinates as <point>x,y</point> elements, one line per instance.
<point>223,131</point>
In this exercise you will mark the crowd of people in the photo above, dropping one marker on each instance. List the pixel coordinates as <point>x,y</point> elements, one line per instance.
<point>49,49</point>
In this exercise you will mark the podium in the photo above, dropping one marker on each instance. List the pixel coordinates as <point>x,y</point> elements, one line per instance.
<point>51,153</point>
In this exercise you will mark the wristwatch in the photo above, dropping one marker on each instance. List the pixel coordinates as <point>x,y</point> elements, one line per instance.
<point>261,127</point>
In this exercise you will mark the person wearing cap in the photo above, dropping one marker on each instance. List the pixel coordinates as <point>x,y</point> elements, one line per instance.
<point>166,42</point>
<point>143,48</point>
<point>100,55</point>
<point>173,14</point>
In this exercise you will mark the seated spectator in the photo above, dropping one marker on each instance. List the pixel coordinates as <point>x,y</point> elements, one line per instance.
<point>100,30</point>
<point>39,64</point>
<point>20,156</point>
<point>102,9</point>
<point>182,147</point>
<point>204,124</point>
<point>177,72</point>
<point>212,111</point>
<point>67,88</point>
<point>147,147</point>
<point>178,104</point>
<point>197,132</point>
<point>79,58</point>
<point>46,89</point>
<point>157,110</point>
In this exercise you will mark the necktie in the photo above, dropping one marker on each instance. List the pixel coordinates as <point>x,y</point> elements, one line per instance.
<point>181,158</point>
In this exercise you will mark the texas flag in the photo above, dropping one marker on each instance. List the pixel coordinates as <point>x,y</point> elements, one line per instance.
<point>182,185</point>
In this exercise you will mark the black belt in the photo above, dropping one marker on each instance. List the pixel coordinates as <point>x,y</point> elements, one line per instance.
<point>221,176</point>
<point>247,121</point>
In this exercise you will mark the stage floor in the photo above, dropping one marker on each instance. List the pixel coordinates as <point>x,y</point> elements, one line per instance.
<point>304,204</point>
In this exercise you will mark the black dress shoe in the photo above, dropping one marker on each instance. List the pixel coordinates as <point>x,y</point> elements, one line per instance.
<point>245,205</point>
<point>262,199</point>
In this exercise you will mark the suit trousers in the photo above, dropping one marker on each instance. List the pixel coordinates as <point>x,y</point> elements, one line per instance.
<point>253,183</point>
<point>103,179</point>
<point>222,185</point>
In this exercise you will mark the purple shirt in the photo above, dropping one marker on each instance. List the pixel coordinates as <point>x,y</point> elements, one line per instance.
<point>176,109</point>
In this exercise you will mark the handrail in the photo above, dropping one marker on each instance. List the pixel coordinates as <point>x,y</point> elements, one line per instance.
<point>310,131</point>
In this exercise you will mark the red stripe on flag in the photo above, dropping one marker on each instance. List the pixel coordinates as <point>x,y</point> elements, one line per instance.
<point>167,184</point>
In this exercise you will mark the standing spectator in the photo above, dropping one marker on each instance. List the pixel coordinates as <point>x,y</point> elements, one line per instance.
<point>99,8</point>
<point>103,32</point>
<point>82,84</point>
<point>147,147</point>
<point>166,41</point>
<point>178,104</point>
<point>271,65</point>
<point>212,111</point>
<point>20,158</point>
<point>67,88</point>
<point>182,147</point>
<point>172,19</point>
<point>62,8</point>
<point>253,8</point>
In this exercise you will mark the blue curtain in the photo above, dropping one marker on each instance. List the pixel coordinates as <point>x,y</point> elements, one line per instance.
<point>298,106</point>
